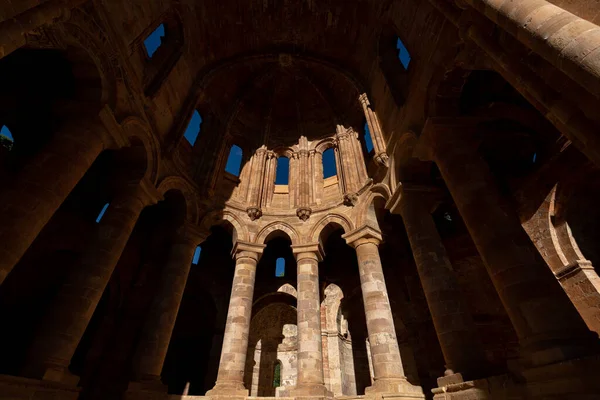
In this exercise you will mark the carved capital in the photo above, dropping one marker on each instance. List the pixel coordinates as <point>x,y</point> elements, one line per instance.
<point>254,213</point>
<point>350,199</point>
<point>382,159</point>
<point>364,100</point>
<point>304,213</point>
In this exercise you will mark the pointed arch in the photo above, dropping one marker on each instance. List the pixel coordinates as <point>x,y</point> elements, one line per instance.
<point>180,184</point>
<point>338,219</point>
<point>278,226</point>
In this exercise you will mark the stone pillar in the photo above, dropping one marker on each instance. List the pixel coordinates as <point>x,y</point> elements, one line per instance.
<point>255,185</point>
<point>570,43</point>
<point>269,181</point>
<point>318,177</point>
<point>377,138</point>
<point>28,202</point>
<point>451,317</point>
<point>13,30</point>
<point>347,160</point>
<point>310,381</point>
<point>303,212</point>
<point>67,319</point>
<point>230,378</point>
<point>160,321</point>
<point>311,177</point>
<point>548,326</point>
<point>387,365</point>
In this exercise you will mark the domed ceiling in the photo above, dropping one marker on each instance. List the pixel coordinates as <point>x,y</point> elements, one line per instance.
<point>277,98</point>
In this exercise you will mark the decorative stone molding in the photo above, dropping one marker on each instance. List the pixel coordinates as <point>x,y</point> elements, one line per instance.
<point>304,213</point>
<point>254,213</point>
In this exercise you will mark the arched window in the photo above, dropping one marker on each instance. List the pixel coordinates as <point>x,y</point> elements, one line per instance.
<point>193,128</point>
<point>234,161</point>
<point>154,40</point>
<point>197,253</point>
<point>277,374</point>
<point>6,138</point>
<point>283,171</point>
<point>403,54</point>
<point>102,212</point>
<point>368,139</point>
<point>329,168</point>
<point>280,267</point>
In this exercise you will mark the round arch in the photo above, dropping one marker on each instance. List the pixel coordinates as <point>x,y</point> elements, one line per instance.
<point>338,219</point>
<point>366,210</point>
<point>215,217</point>
<point>134,127</point>
<point>180,184</point>
<point>278,226</point>
<point>325,144</point>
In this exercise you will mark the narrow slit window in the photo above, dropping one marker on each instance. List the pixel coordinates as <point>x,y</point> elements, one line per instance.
<point>234,162</point>
<point>6,138</point>
<point>280,267</point>
<point>102,212</point>
<point>329,168</point>
<point>368,139</point>
<point>277,374</point>
<point>193,129</point>
<point>283,171</point>
<point>197,253</point>
<point>154,40</point>
<point>403,54</point>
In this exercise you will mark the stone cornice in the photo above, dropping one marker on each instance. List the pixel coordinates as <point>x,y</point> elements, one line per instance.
<point>363,234</point>
<point>314,248</point>
<point>240,246</point>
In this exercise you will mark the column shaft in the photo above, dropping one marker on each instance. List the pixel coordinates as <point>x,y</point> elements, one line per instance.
<point>68,317</point>
<point>451,317</point>
<point>230,379</point>
<point>525,284</point>
<point>570,43</point>
<point>158,328</point>
<point>40,188</point>
<point>310,357</point>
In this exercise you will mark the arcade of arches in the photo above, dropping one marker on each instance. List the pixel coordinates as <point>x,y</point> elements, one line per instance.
<point>299,199</point>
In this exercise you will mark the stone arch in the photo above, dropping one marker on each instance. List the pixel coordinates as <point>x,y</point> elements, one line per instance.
<point>134,127</point>
<point>216,217</point>
<point>325,144</point>
<point>278,226</point>
<point>180,184</point>
<point>338,219</point>
<point>333,301</point>
<point>289,289</point>
<point>284,151</point>
<point>366,211</point>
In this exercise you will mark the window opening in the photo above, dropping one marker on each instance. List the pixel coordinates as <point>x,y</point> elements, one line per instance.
<point>154,40</point>
<point>368,138</point>
<point>193,128</point>
<point>6,138</point>
<point>277,374</point>
<point>283,171</point>
<point>329,167</point>
<point>234,162</point>
<point>534,158</point>
<point>197,253</point>
<point>403,54</point>
<point>280,267</point>
<point>102,212</point>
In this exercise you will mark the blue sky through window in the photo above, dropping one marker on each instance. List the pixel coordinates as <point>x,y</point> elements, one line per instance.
<point>6,132</point>
<point>283,171</point>
<point>280,267</point>
<point>234,162</point>
<point>99,218</point>
<point>193,128</point>
<point>197,253</point>
<point>154,40</point>
<point>403,54</point>
<point>329,168</point>
<point>368,138</point>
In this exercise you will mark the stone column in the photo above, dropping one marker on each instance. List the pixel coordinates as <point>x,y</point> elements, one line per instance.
<point>347,160</point>
<point>64,325</point>
<point>13,30</point>
<point>230,378</point>
<point>318,177</point>
<point>379,146</point>
<point>570,43</point>
<point>269,181</point>
<point>160,321</point>
<point>255,184</point>
<point>28,202</point>
<point>548,326</point>
<point>303,212</point>
<point>387,365</point>
<point>451,317</point>
<point>310,381</point>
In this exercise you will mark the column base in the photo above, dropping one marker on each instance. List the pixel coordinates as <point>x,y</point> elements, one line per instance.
<point>399,388</point>
<point>19,388</point>
<point>308,391</point>
<point>453,387</point>
<point>229,390</point>
<point>150,388</point>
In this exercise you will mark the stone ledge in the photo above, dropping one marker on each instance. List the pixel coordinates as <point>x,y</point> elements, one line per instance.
<point>19,388</point>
